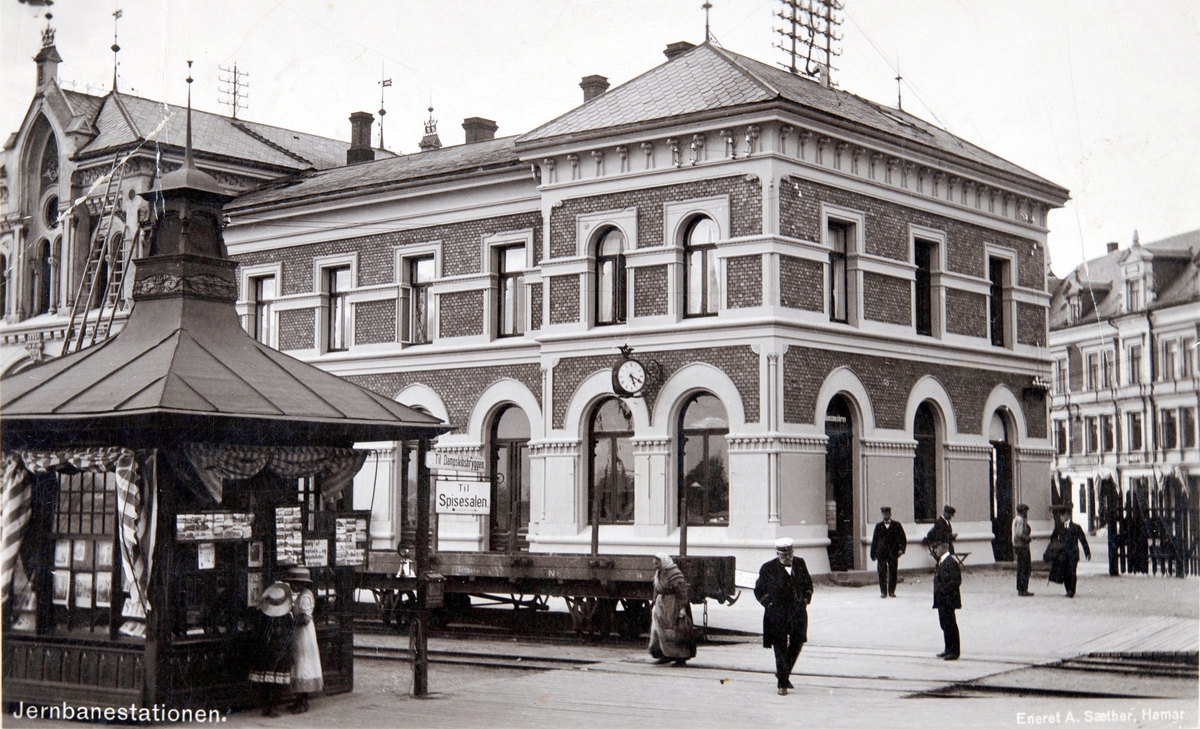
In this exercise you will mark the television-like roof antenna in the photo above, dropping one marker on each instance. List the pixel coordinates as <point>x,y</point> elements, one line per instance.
<point>236,94</point>
<point>383,84</point>
<point>115,48</point>
<point>707,7</point>
<point>812,32</point>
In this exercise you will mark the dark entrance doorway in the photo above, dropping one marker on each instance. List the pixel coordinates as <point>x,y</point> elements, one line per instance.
<point>839,483</point>
<point>1001,488</point>
<point>508,523</point>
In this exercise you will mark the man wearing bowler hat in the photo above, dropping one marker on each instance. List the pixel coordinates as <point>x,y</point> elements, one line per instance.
<point>947,577</point>
<point>784,588</point>
<point>1021,537</point>
<point>887,544</point>
<point>941,531</point>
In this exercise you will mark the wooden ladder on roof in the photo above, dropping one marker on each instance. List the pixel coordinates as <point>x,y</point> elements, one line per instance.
<point>101,293</point>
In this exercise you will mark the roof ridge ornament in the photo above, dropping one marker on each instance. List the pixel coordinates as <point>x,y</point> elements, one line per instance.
<point>48,33</point>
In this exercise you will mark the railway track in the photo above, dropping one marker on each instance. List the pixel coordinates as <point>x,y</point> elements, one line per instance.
<point>473,658</point>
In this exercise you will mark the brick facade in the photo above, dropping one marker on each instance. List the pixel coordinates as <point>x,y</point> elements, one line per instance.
<point>739,363</point>
<point>966,313</point>
<point>889,381</point>
<point>886,231</point>
<point>375,322</point>
<point>745,282</point>
<point>650,291</point>
<point>887,299</point>
<point>535,308</point>
<point>1031,324</point>
<point>460,389</point>
<point>564,299</point>
<point>460,314</point>
<point>462,249</point>
<point>296,327</point>
<point>801,284</point>
<point>745,203</point>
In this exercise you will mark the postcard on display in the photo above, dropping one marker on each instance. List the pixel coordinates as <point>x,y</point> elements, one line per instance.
<point>103,589</point>
<point>62,587</point>
<point>83,589</point>
<point>104,555</point>
<point>81,554</point>
<point>206,556</point>
<point>62,553</point>
<point>254,588</point>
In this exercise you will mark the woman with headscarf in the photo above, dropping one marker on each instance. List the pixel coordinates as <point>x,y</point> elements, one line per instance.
<point>271,664</point>
<point>306,659</point>
<point>671,633</point>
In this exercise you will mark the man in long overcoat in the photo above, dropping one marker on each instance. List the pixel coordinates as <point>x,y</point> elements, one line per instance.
<point>887,544</point>
<point>1065,543</point>
<point>947,577</point>
<point>784,588</point>
<point>941,530</point>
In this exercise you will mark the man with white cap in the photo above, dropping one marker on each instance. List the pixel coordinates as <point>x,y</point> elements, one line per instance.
<point>887,545</point>
<point>784,588</point>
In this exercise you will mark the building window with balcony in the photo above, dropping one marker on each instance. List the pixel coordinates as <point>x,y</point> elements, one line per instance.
<point>1134,431</point>
<point>264,292</point>
<point>1169,435</point>
<point>702,290</point>
<point>417,321</point>
<point>1187,427</point>
<point>839,234</point>
<point>1106,433</point>
<point>610,277</point>
<point>1168,360</point>
<point>998,278</point>
<point>925,253</point>
<point>1135,365</point>
<point>1093,435</point>
<point>1093,371</point>
<point>510,296</point>
<point>337,285</point>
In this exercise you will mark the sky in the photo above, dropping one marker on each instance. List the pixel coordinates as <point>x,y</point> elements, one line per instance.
<point>1099,96</point>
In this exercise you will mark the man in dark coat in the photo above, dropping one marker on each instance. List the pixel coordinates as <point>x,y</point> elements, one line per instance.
<point>1064,543</point>
<point>941,531</point>
<point>887,544</point>
<point>1022,535</point>
<point>947,576</point>
<point>784,588</point>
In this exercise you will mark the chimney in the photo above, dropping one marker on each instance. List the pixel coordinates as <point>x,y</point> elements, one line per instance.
<point>677,48</point>
<point>1112,247</point>
<point>479,129</point>
<point>360,138</point>
<point>593,86</point>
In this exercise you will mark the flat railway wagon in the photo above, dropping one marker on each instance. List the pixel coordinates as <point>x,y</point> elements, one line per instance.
<point>593,586</point>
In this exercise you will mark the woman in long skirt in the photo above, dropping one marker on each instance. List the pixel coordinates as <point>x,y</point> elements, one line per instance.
<point>271,665</point>
<point>671,631</point>
<point>306,656</point>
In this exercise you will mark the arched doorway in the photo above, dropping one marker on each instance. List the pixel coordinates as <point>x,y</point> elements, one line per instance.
<point>839,483</point>
<point>925,470</point>
<point>703,462</point>
<point>610,464</point>
<point>508,523</point>
<point>1001,486</point>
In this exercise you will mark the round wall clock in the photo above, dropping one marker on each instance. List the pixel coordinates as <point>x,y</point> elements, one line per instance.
<point>629,377</point>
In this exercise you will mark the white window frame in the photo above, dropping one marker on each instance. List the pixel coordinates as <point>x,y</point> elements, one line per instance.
<point>854,248</point>
<point>404,256</point>
<point>937,324</point>
<point>321,266</point>
<point>246,307</point>
<point>491,243</point>
<point>1007,288</point>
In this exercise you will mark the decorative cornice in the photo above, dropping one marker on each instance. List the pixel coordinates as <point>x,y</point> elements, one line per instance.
<point>651,446</point>
<point>888,448</point>
<point>204,286</point>
<point>1036,452</point>
<point>963,450</point>
<point>545,448</point>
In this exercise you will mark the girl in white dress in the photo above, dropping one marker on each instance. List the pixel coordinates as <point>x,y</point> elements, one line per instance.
<point>306,656</point>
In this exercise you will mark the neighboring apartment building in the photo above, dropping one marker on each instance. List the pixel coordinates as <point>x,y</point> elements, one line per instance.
<point>832,306</point>
<point>66,147</point>
<point>1123,335</point>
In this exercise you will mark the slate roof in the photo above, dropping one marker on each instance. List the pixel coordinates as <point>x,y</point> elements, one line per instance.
<point>188,356</point>
<point>709,78</point>
<point>1175,263</point>
<point>123,120</point>
<point>382,174</point>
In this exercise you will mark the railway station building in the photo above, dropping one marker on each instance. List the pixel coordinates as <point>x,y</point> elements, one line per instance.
<point>718,294</point>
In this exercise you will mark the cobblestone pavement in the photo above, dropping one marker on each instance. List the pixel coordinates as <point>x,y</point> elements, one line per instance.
<point>869,662</point>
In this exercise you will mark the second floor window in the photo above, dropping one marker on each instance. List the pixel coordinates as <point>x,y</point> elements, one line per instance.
<point>1093,436</point>
<point>338,285</point>
<point>703,287</point>
<point>924,252</point>
<point>1187,427</point>
<point>1093,371</point>
<point>1169,437</point>
<point>1060,376</point>
<point>510,298</point>
<point>610,277</point>
<point>1106,360</point>
<point>998,276</point>
<point>420,323</point>
<point>1060,437</point>
<point>839,235</point>
<point>1135,365</point>
<point>1168,361</point>
<point>264,294</point>
<point>1134,431</point>
<point>1106,433</point>
<point>1187,358</point>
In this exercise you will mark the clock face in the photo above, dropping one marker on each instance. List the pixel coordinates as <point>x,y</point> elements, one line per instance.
<point>631,376</point>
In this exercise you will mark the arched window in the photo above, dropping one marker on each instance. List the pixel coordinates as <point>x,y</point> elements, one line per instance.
<point>702,291</point>
<point>43,276</point>
<point>3,285</point>
<point>509,466</point>
<point>610,464</point>
<point>49,166</point>
<point>704,462</point>
<point>1001,486</point>
<point>610,277</point>
<point>839,483</point>
<point>925,480</point>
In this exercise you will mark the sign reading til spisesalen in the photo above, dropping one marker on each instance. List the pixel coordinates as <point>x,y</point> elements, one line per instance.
<point>464,497</point>
<point>451,462</point>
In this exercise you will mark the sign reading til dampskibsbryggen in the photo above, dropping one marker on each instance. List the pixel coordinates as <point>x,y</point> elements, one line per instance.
<point>463,497</point>
<point>450,462</point>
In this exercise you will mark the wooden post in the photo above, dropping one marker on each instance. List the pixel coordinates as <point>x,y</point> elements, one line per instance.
<point>418,631</point>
